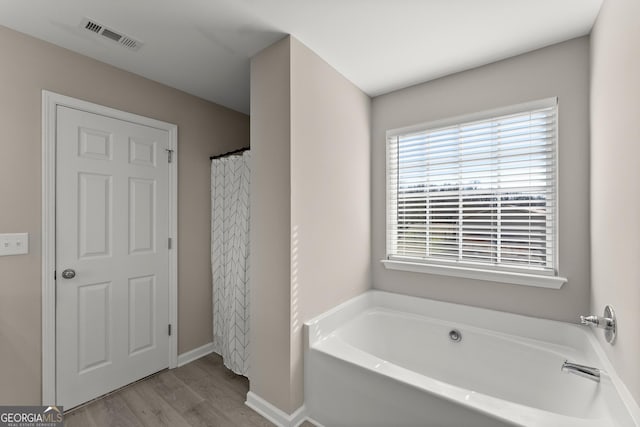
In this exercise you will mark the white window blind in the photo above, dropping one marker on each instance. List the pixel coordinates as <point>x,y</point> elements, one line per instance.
<point>476,192</point>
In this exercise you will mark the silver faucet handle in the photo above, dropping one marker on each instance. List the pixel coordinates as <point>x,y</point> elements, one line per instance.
<point>590,320</point>
<point>606,322</point>
<point>598,322</point>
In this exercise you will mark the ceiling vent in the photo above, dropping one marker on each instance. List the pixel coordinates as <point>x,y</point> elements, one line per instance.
<point>111,34</point>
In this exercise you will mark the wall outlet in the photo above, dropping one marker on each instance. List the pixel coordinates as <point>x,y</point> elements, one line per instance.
<point>14,244</point>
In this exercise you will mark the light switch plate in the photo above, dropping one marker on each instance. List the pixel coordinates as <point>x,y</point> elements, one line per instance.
<point>14,244</point>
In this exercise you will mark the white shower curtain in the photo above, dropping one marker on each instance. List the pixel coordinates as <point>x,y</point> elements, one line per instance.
<point>230,259</point>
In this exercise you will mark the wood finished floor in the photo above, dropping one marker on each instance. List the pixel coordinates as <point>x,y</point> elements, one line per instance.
<point>202,393</point>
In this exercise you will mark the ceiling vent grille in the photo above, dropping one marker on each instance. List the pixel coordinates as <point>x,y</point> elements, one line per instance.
<point>110,34</point>
<point>92,26</point>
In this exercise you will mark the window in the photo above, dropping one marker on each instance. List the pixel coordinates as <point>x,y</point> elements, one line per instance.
<point>476,194</point>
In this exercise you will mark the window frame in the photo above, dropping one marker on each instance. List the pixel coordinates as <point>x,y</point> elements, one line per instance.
<point>504,274</point>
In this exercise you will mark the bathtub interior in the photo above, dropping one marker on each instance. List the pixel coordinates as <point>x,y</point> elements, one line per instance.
<point>488,362</point>
<point>512,358</point>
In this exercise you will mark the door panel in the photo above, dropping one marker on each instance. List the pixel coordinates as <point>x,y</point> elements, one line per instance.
<point>94,331</point>
<point>141,215</point>
<point>142,314</point>
<point>142,152</point>
<point>95,219</point>
<point>112,188</point>
<point>95,144</point>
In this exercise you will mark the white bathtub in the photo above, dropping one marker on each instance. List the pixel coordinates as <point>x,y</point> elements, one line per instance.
<point>387,360</point>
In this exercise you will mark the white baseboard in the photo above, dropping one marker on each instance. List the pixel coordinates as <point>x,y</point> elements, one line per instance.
<point>275,415</point>
<point>195,354</point>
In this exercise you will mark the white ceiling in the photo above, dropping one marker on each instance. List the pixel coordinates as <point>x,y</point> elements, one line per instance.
<point>203,46</point>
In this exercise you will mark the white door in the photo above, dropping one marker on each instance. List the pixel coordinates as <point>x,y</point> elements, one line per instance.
<point>112,227</point>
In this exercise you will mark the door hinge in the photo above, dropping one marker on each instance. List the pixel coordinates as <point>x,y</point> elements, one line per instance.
<point>170,243</point>
<point>169,154</point>
<point>55,277</point>
<point>169,329</point>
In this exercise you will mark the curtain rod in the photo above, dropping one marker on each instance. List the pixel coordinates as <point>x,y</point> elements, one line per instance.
<point>230,153</point>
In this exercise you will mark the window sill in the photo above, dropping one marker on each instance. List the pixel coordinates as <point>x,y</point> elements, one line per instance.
<point>550,282</point>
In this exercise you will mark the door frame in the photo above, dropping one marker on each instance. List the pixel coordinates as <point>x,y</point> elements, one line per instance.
<point>50,102</point>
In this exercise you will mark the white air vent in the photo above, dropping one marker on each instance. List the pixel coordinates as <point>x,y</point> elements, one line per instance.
<point>111,34</point>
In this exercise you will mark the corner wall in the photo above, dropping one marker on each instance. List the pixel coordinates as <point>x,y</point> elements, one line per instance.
<point>270,225</point>
<point>310,136</point>
<point>560,70</point>
<point>30,65</point>
<point>330,195</point>
<point>615,180</point>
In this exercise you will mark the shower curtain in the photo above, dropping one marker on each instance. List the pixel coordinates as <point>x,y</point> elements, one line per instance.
<point>230,259</point>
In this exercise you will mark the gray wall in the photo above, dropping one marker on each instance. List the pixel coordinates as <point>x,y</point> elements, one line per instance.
<point>560,70</point>
<point>615,179</point>
<point>330,195</point>
<point>30,65</point>
<point>310,136</point>
<point>270,248</point>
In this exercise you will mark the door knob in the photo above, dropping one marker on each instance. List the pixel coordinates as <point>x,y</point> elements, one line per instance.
<point>68,273</point>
